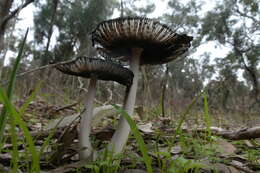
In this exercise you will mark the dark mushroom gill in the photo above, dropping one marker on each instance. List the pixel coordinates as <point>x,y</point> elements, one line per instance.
<point>160,44</point>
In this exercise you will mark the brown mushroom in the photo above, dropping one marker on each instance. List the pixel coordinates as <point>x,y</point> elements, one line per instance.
<point>95,69</point>
<point>141,41</point>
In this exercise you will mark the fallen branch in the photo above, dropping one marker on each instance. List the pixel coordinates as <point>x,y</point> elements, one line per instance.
<point>67,106</point>
<point>247,133</point>
<point>37,135</point>
<point>36,69</point>
<point>240,167</point>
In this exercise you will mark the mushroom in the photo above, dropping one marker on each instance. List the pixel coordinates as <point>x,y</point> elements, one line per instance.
<point>141,41</point>
<point>95,69</point>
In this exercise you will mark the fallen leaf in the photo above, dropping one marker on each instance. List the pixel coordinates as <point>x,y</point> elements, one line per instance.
<point>248,143</point>
<point>225,148</point>
<point>146,128</point>
<point>176,149</point>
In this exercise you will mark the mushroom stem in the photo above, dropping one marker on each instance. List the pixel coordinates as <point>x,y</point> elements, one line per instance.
<point>120,136</point>
<point>85,122</point>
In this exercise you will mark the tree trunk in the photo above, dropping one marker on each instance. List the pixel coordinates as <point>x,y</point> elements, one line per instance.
<point>251,71</point>
<point>5,6</point>
<point>5,16</point>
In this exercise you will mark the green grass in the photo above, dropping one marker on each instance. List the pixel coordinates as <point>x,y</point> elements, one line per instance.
<point>16,119</point>
<point>11,85</point>
<point>10,113</point>
<point>106,162</point>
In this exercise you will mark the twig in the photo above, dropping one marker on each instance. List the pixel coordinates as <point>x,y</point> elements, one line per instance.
<point>242,168</point>
<point>36,69</point>
<point>110,97</point>
<point>81,87</point>
<point>67,106</point>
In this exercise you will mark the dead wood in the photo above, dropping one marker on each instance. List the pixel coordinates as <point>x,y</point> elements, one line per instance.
<point>246,133</point>
<point>67,106</point>
<point>241,167</point>
<point>38,135</point>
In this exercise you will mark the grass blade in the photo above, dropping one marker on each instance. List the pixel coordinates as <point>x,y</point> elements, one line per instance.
<point>30,99</point>
<point>10,88</point>
<point>184,115</point>
<point>19,121</point>
<point>15,152</point>
<point>138,137</point>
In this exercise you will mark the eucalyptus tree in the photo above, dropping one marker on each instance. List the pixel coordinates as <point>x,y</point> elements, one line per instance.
<point>8,12</point>
<point>184,74</point>
<point>235,24</point>
<point>73,23</point>
<point>131,8</point>
<point>231,23</point>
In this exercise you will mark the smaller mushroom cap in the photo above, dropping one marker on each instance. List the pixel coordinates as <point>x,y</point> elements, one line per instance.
<point>100,69</point>
<point>160,44</point>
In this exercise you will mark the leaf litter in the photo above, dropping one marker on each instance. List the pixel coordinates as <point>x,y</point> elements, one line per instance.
<point>193,145</point>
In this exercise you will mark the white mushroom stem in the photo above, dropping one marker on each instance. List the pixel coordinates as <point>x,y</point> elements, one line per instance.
<point>85,122</point>
<point>120,136</point>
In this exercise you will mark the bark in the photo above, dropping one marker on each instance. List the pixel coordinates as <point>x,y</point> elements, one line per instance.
<point>55,5</point>
<point>121,8</point>
<point>251,71</point>
<point>253,75</point>
<point>5,6</point>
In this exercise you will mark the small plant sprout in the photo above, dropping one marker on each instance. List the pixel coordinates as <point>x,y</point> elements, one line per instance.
<point>141,41</point>
<point>94,69</point>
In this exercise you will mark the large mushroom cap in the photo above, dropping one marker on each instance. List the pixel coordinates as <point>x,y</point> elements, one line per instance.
<point>160,44</point>
<point>100,69</point>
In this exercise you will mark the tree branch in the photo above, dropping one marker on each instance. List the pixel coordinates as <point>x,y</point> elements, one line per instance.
<point>13,13</point>
<point>34,70</point>
<point>245,15</point>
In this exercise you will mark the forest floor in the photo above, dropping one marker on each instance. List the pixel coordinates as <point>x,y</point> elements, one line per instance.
<point>192,148</point>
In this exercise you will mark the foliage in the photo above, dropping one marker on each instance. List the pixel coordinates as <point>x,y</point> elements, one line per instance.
<point>74,22</point>
<point>234,23</point>
<point>182,165</point>
<point>130,8</point>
